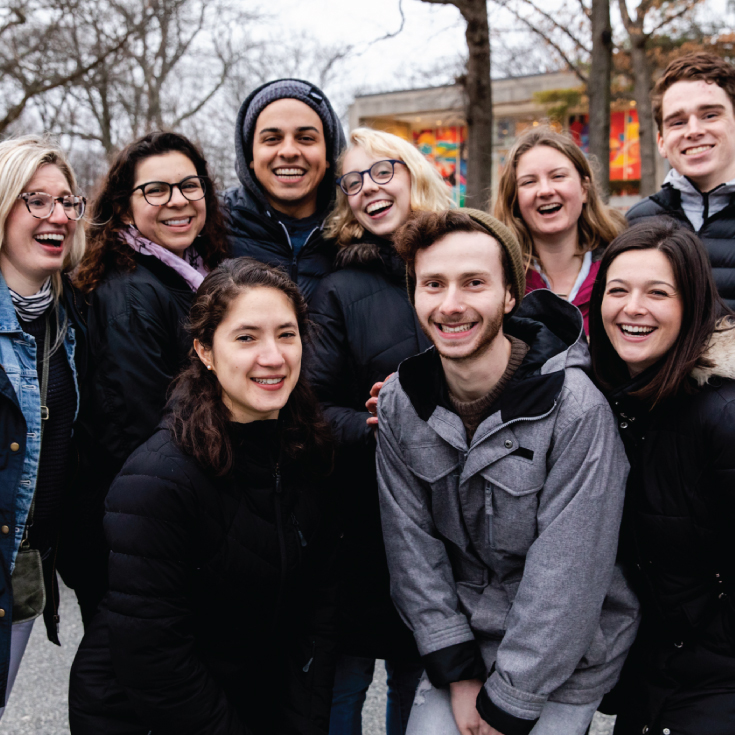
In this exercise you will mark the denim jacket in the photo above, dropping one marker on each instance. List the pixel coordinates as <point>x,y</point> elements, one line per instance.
<point>20,445</point>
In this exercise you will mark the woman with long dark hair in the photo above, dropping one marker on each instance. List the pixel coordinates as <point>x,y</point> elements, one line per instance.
<point>219,613</point>
<point>663,349</point>
<point>155,231</point>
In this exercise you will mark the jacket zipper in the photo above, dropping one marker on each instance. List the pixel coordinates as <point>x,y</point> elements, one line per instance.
<point>294,270</point>
<point>281,541</point>
<point>515,421</point>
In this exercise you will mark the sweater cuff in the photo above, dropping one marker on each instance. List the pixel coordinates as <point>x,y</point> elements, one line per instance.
<point>500,719</point>
<point>457,662</point>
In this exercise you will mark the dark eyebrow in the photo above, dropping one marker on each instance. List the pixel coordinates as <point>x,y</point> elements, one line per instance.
<point>302,129</point>
<point>701,108</point>
<point>648,283</point>
<point>252,328</point>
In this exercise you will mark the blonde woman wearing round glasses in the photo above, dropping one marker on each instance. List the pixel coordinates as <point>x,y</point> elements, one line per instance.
<point>155,231</point>
<point>367,328</point>
<point>40,337</point>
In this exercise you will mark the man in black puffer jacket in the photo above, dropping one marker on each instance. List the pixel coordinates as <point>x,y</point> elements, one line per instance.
<point>694,106</point>
<point>287,141</point>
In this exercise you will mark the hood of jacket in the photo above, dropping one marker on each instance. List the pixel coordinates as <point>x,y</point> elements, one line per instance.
<point>554,331</point>
<point>369,253</point>
<point>244,151</point>
<point>721,353</point>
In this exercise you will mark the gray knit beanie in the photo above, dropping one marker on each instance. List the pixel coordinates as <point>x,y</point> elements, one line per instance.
<point>288,89</point>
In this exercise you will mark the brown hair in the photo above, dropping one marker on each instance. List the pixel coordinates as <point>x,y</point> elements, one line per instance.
<point>105,249</point>
<point>702,309</point>
<point>597,224</point>
<point>199,418</point>
<point>423,229</point>
<point>699,66</point>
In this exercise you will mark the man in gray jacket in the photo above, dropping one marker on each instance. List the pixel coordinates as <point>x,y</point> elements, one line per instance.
<point>501,480</point>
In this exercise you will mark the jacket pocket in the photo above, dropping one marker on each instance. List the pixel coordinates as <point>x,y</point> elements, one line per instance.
<point>512,486</point>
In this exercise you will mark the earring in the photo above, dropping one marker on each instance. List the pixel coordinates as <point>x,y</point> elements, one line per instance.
<point>209,367</point>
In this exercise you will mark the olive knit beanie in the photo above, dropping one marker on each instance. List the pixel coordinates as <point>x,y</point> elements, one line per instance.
<point>509,243</point>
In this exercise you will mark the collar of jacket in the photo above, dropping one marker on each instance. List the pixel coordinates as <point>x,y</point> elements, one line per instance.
<point>554,331</point>
<point>372,252</point>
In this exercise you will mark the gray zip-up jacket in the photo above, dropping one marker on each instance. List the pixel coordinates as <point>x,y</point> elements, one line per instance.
<point>502,553</point>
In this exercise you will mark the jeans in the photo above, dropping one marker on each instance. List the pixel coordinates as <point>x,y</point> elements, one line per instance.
<point>19,635</point>
<point>351,681</point>
<point>432,715</point>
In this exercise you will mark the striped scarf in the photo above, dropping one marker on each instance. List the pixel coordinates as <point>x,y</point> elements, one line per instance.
<point>29,308</point>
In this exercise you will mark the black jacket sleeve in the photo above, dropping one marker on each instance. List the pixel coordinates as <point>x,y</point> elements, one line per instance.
<point>151,526</point>
<point>330,370</point>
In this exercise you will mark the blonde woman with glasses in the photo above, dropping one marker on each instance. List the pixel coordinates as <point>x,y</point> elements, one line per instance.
<point>366,328</point>
<point>41,355</point>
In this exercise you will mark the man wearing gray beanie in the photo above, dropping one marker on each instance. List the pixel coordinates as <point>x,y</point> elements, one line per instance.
<point>287,141</point>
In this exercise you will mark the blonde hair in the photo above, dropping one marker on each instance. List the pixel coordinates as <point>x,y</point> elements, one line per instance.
<point>428,191</point>
<point>598,225</point>
<point>20,158</point>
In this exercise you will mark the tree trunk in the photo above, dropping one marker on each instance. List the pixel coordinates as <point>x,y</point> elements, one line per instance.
<point>479,105</point>
<point>598,91</point>
<point>642,94</point>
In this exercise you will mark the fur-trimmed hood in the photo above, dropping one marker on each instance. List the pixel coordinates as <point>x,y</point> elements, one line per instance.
<point>721,352</point>
<point>371,254</point>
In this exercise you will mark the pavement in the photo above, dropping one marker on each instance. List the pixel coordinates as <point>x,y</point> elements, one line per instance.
<point>38,703</point>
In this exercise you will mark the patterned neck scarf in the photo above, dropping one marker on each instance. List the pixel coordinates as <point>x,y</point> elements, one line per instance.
<point>29,308</point>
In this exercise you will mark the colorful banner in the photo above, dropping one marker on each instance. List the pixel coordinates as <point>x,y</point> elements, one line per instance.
<point>625,152</point>
<point>444,147</point>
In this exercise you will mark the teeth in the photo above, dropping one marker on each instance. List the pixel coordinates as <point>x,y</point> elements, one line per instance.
<point>50,236</point>
<point>549,207</point>
<point>628,329</point>
<point>289,172</point>
<point>268,381</point>
<point>698,149</point>
<point>452,330</point>
<point>375,206</point>
<point>174,222</point>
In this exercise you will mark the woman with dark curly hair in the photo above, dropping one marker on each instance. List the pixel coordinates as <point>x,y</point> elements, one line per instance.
<point>219,613</point>
<point>155,231</point>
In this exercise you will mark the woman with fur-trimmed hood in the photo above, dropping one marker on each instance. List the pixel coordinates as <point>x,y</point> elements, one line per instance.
<point>366,328</point>
<point>663,348</point>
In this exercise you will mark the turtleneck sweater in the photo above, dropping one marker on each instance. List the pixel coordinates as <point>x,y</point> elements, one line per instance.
<point>473,413</point>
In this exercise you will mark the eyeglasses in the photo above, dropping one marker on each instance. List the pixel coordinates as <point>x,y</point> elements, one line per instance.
<point>41,205</point>
<point>381,172</point>
<point>158,193</point>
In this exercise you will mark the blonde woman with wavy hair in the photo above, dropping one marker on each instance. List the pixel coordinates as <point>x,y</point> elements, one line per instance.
<point>427,192</point>
<point>548,196</point>
<point>366,328</point>
<point>40,239</point>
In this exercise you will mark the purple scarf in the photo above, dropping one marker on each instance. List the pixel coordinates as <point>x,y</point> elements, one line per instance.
<point>191,267</point>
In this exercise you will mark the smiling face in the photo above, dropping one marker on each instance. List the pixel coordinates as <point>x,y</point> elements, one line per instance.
<point>697,134</point>
<point>34,249</point>
<point>290,156</point>
<point>641,309</point>
<point>461,296</point>
<point>256,354</point>
<point>550,192</point>
<point>379,208</point>
<point>174,225</point>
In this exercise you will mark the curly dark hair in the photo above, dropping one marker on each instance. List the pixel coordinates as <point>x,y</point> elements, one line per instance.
<point>105,249</point>
<point>199,418</point>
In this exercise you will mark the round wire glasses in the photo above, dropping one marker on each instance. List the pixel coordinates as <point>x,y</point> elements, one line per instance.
<point>381,172</point>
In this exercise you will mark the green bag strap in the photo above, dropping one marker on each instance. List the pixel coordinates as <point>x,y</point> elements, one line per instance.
<point>44,418</point>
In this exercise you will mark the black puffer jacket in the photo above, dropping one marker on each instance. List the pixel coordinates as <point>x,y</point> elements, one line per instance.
<point>255,229</point>
<point>717,233</point>
<point>137,344</point>
<point>677,537</point>
<point>366,327</point>
<point>219,618</point>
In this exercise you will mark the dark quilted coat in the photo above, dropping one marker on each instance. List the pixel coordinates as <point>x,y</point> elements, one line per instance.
<point>366,327</point>
<point>219,616</point>
<point>717,233</point>
<point>677,537</point>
